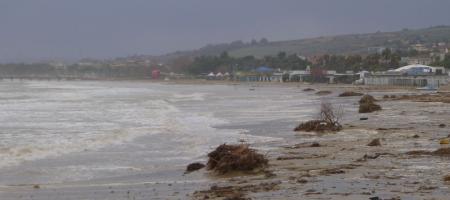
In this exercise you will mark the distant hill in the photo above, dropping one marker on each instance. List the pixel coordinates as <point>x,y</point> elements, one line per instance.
<point>341,44</point>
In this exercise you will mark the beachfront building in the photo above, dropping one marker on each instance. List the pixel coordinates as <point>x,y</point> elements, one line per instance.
<point>410,76</point>
<point>322,75</point>
<point>298,75</point>
<point>218,76</point>
<point>260,74</point>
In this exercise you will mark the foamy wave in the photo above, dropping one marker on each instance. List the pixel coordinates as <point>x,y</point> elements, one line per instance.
<point>188,97</point>
<point>49,138</point>
<point>199,134</point>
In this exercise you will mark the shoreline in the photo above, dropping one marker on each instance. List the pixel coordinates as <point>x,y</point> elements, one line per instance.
<point>343,167</point>
<point>319,86</point>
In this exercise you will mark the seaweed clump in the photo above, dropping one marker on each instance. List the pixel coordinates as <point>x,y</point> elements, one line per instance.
<point>228,158</point>
<point>367,104</point>
<point>350,94</point>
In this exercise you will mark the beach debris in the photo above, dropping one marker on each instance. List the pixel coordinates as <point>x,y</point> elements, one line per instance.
<point>367,105</point>
<point>312,192</point>
<point>363,118</point>
<point>331,171</point>
<point>227,158</point>
<point>237,197</point>
<point>442,125</point>
<point>368,108</point>
<point>375,142</point>
<point>371,157</point>
<point>350,94</point>
<point>302,181</point>
<point>442,152</point>
<point>36,186</point>
<point>236,192</point>
<point>438,152</point>
<point>367,99</point>
<point>301,157</point>
<point>436,97</point>
<point>418,152</point>
<point>308,90</point>
<point>374,198</point>
<point>314,125</point>
<point>304,145</point>
<point>194,167</point>
<point>416,136</point>
<point>290,158</point>
<point>444,141</point>
<point>447,178</point>
<point>315,144</point>
<point>427,187</point>
<point>323,92</point>
<point>269,174</point>
<point>328,120</point>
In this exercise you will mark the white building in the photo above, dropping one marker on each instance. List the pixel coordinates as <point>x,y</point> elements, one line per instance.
<point>410,76</point>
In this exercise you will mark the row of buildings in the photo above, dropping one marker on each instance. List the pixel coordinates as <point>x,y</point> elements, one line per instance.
<point>416,75</point>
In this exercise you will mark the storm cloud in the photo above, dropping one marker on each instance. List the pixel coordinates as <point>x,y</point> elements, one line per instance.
<point>33,30</point>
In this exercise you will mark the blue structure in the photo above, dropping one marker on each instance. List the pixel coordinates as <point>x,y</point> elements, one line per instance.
<point>264,69</point>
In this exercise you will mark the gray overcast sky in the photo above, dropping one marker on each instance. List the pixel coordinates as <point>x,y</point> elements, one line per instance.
<point>32,30</point>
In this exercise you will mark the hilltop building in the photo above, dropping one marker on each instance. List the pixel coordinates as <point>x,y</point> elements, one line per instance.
<point>373,50</point>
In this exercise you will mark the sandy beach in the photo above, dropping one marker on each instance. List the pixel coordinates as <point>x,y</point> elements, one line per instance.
<point>190,119</point>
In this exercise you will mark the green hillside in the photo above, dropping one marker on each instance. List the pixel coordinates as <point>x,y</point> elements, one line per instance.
<point>342,44</point>
<point>349,44</point>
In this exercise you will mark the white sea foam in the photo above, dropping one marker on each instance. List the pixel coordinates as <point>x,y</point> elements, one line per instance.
<point>196,96</point>
<point>38,128</point>
<point>73,118</point>
<point>103,129</point>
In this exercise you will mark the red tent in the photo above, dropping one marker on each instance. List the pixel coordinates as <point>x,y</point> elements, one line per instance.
<point>156,74</point>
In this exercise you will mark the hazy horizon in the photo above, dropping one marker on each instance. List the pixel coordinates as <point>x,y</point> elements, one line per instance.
<point>70,30</point>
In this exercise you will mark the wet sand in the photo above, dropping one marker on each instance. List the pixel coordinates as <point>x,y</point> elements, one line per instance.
<point>345,167</point>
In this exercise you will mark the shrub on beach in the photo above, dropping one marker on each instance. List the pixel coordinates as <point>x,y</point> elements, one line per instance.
<point>328,120</point>
<point>317,125</point>
<point>227,158</point>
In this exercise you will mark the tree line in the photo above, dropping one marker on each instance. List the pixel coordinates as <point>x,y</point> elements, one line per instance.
<point>385,60</point>
<point>42,70</point>
<point>224,62</point>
